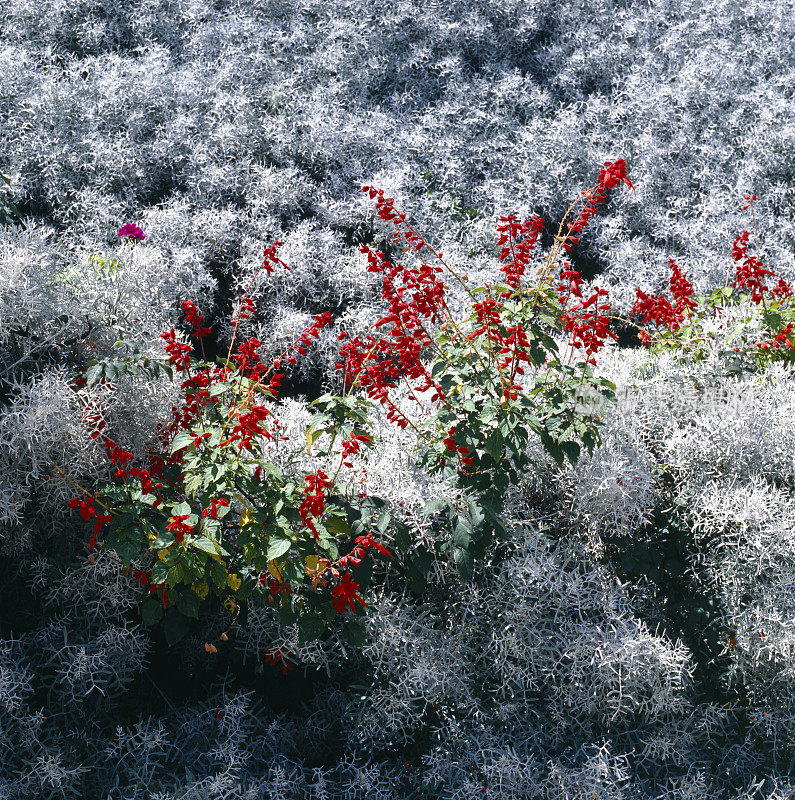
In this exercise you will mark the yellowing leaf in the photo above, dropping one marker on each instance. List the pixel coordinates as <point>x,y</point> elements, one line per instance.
<point>201,588</point>
<point>311,564</point>
<point>233,582</point>
<point>230,604</point>
<point>161,554</point>
<point>338,526</point>
<point>247,516</point>
<point>273,568</point>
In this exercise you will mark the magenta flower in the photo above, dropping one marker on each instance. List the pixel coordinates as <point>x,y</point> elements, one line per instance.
<point>132,232</point>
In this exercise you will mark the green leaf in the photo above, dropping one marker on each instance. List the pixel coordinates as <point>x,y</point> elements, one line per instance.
<point>278,547</point>
<point>572,451</point>
<point>181,440</point>
<point>218,389</point>
<point>174,575</point>
<point>402,538</point>
<point>462,532</point>
<point>434,507</point>
<point>383,521</point>
<point>464,562</point>
<point>354,632</point>
<point>217,573</point>
<point>175,627</point>
<point>192,483</point>
<point>151,611</point>
<point>209,546</point>
<point>310,627</point>
<point>164,539</point>
<point>337,526</point>
<point>93,375</point>
<point>476,514</point>
<point>159,571</point>
<point>493,445</point>
<point>127,552</point>
<point>188,604</point>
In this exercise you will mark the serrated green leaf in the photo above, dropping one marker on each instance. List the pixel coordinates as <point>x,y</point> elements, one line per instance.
<point>310,627</point>
<point>464,562</point>
<point>175,627</point>
<point>181,440</point>
<point>354,632</point>
<point>151,611</point>
<point>93,375</point>
<point>219,389</point>
<point>188,604</point>
<point>434,507</point>
<point>462,532</point>
<point>207,545</point>
<point>278,547</point>
<point>337,526</point>
<point>494,444</point>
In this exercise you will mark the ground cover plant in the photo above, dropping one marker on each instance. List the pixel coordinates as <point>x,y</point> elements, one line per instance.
<point>355,517</point>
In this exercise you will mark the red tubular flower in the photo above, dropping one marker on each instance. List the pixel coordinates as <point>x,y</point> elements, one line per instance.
<point>314,502</point>
<point>244,312</point>
<point>361,545</point>
<point>779,340</point>
<point>681,288</point>
<point>142,578</point>
<point>86,509</point>
<point>178,527</point>
<point>194,319</point>
<point>215,504</point>
<point>247,427</point>
<point>589,329</point>
<point>656,309</point>
<point>345,594</point>
<point>178,353</point>
<point>781,290</point>
<point>610,177</point>
<point>351,446</point>
<point>750,273</point>
<point>517,255</point>
<point>449,442</point>
<point>270,258</point>
<point>247,353</point>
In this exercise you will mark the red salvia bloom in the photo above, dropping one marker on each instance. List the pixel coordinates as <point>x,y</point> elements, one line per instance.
<point>193,317</point>
<point>178,353</point>
<point>178,527</point>
<point>314,502</point>
<point>750,273</point>
<point>345,594</point>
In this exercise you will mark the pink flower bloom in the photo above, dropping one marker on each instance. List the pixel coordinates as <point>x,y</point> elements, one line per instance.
<point>131,231</point>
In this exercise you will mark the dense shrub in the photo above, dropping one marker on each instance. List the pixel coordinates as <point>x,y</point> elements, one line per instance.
<point>627,631</point>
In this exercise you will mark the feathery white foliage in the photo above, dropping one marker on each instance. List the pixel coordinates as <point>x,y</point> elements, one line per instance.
<point>42,426</point>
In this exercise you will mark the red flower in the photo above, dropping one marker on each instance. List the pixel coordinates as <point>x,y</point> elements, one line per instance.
<point>212,511</point>
<point>192,316</point>
<point>750,274</point>
<point>314,499</point>
<point>178,353</point>
<point>345,594</point>
<point>178,527</point>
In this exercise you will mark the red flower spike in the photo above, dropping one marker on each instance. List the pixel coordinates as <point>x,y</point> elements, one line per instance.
<point>345,594</point>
